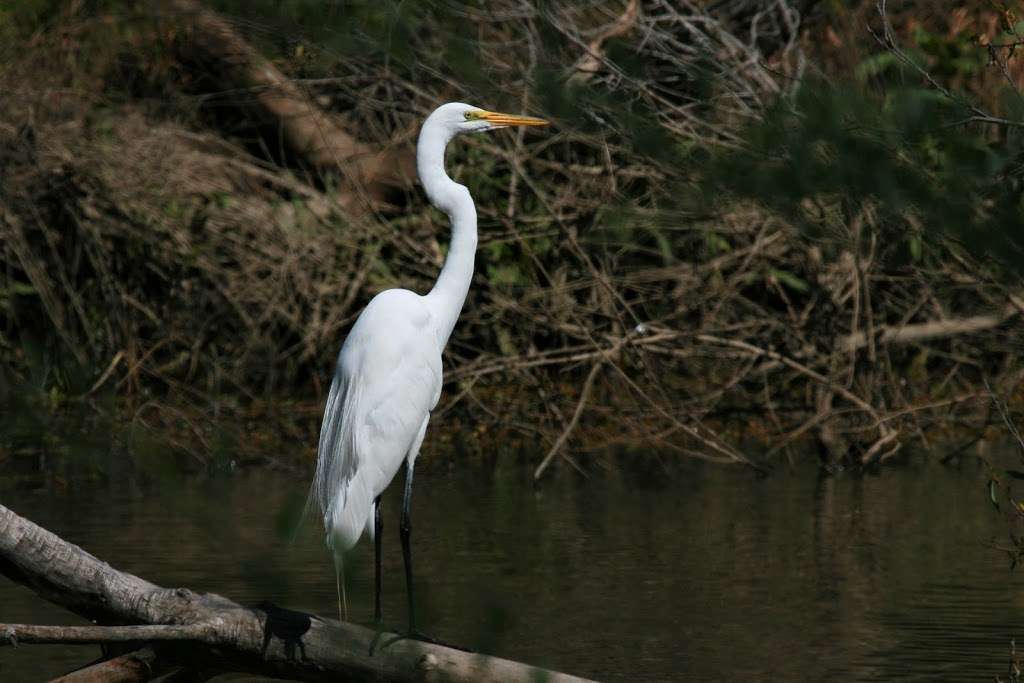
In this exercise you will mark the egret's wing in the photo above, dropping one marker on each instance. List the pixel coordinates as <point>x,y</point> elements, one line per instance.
<point>395,414</point>
<point>387,380</point>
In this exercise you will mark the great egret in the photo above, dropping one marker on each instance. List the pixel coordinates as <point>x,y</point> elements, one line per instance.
<point>388,376</point>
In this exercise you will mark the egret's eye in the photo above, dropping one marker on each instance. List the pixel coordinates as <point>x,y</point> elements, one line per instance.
<point>471,115</point>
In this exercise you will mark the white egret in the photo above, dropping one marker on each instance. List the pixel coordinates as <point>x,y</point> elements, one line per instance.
<point>388,376</point>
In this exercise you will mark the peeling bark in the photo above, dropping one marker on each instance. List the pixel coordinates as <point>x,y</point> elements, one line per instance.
<point>134,667</point>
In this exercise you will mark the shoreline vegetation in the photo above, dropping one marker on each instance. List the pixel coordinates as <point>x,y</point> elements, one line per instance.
<point>786,227</point>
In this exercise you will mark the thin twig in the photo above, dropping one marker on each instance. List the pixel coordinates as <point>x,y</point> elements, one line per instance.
<point>588,385</point>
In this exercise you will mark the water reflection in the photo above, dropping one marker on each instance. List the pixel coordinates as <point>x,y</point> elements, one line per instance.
<point>698,573</point>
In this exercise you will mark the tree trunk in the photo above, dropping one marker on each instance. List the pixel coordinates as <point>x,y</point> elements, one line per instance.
<point>311,133</point>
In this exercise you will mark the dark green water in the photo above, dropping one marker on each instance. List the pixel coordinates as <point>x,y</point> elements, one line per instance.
<point>699,573</point>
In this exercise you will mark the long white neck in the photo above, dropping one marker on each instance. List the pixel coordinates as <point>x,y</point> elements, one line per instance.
<point>449,292</point>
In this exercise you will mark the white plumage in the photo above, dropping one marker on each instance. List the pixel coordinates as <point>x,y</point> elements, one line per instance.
<point>387,381</point>
<point>388,376</point>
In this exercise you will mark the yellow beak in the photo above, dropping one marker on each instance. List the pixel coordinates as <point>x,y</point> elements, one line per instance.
<point>499,119</point>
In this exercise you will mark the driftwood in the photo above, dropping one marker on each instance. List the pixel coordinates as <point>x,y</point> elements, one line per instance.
<point>211,632</point>
<point>133,667</point>
<point>313,134</point>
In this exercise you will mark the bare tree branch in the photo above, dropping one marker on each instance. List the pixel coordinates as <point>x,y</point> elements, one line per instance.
<point>934,329</point>
<point>268,640</point>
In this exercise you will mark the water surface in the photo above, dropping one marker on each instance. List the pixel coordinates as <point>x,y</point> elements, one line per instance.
<point>690,572</point>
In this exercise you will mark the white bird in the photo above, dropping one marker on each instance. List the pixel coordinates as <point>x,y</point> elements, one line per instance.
<point>388,376</point>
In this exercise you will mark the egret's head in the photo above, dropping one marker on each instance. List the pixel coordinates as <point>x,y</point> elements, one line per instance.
<point>460,118</point>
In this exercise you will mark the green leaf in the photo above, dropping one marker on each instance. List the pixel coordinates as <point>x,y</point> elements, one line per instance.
<point>875,65</point>
<point>792,281</point>
<point>505,342</point>
<point>718,244</point>
<point>918,370</point>
<point>496,250</point>
<point>509,274</point>
<point>914,243</point>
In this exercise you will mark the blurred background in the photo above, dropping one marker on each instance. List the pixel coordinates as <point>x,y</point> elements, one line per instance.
<point>769,251</point>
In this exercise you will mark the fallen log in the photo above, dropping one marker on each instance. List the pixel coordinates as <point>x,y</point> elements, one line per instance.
<point>212,632</point>
<point>311,133</point>
<point>134,667</point>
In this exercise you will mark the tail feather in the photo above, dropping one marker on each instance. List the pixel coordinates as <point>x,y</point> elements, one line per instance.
<point>336,466</point>
<point>337,460</point>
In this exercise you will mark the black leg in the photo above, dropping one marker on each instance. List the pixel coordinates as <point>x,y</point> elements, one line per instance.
<point>405,529</point>
<point>378,530</point>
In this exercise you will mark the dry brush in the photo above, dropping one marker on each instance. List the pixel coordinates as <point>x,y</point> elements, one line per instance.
<point>187,253</point>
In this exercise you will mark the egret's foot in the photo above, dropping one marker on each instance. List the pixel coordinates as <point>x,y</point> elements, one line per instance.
<point>414,635</point>
<point>379,632</point>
